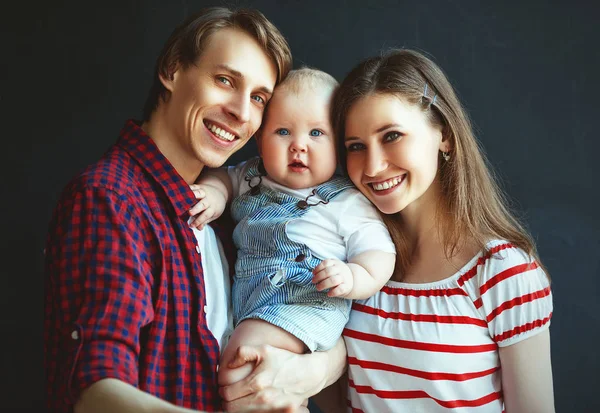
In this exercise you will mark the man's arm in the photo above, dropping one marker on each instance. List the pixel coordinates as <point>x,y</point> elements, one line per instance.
<point>281,376</point>
<point>97,298</point>
<point>115,396</point>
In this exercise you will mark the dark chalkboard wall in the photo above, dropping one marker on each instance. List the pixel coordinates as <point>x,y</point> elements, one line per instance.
<point>527,72</point>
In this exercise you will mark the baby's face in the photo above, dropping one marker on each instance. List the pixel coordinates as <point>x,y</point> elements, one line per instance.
<point>296,140</point>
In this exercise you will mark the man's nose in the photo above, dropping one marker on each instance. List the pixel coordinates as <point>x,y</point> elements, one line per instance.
<point>239,107</point>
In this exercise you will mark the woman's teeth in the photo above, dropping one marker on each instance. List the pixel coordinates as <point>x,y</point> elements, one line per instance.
<point>390,183</point>
<point>220,132</point>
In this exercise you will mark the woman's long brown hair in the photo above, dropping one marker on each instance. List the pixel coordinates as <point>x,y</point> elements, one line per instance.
<point>473,207</point>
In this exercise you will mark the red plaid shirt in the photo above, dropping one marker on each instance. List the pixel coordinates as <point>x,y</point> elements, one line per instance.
<point>124,293</point>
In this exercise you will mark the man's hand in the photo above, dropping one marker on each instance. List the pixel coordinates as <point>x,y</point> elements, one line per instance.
<point>211,206</point>
<point>335,275</point>
<point>280,378</point>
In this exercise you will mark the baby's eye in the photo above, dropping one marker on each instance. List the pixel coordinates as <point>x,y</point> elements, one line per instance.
<point>315,132</point>
<point>282,131</point>
<point>355,147</point>
<point>391,136</point>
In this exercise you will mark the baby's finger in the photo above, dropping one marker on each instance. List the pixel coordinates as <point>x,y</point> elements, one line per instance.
<point>329,282</point>
<point>198,192</point>
<point>323,265</point>
<point>201,220</point>
<point>323,274</point>
<point>339,291</point>
<point>198,208</point>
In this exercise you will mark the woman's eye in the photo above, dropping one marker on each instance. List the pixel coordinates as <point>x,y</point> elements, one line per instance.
<point>315,132</point>
<point>282,131</point>
<point>258,99</point>
<point>354,147</point>
<point>391,136</point>
<point>224,80</point>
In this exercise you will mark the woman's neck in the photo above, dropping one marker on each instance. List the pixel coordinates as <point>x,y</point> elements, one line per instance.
<point>424,231</point>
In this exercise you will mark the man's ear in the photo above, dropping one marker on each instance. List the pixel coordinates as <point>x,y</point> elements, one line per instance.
<point>168,79</point>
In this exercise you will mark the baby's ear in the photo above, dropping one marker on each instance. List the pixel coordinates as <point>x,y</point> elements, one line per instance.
<point>258,137</point>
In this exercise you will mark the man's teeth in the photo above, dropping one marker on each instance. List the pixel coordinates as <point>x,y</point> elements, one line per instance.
<point>220,132</point>
<point>387,184</point>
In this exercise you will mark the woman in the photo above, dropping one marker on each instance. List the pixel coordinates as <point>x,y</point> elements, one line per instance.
<point>464,321</point>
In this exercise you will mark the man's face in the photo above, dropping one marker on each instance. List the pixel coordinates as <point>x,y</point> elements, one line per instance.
<point>217,104</point>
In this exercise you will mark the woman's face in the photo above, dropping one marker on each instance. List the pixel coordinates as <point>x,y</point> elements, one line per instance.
<point>392,153</point>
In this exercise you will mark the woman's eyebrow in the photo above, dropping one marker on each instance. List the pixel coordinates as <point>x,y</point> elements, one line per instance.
<point>378,130</point>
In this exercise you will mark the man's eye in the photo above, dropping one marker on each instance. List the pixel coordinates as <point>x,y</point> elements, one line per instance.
<point>315,132</point>
<point>391,136</point>
<point>354,147</point>
<point>282,131</point>
<point>258,99</point>
<point>224,80</point>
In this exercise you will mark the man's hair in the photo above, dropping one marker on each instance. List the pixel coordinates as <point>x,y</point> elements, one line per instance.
<point>188,40</point>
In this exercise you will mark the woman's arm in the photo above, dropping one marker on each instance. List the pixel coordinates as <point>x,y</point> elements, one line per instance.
<point>283,377</point>
<point>527,375</point>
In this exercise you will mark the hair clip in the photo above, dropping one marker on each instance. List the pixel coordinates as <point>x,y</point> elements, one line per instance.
<point>429,100</point>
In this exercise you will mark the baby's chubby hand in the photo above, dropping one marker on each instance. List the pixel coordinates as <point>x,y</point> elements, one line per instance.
<point>211,206</point>
<point>335,275</point>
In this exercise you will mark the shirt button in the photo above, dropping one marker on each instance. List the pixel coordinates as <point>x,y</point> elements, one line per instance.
<point>217,368</point>
<point>300,257</point>
<point>75,335</point>
<point>205,309</point>
<point>198,249</point>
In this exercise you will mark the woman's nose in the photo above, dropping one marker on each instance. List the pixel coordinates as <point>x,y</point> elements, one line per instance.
<point>375,162</point>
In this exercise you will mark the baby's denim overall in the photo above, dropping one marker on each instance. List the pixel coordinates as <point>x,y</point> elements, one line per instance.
<point>273,273</point>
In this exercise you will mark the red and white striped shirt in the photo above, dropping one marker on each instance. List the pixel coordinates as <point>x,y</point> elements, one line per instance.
<point>434,347</point>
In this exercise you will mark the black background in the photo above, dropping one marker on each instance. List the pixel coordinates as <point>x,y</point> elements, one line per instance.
<point>72,72</point>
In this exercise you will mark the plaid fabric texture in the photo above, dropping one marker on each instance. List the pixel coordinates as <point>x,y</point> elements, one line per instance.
<point>124,287</point>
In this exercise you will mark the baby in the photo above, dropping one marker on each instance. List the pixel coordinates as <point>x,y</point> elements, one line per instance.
<point>308,241</point>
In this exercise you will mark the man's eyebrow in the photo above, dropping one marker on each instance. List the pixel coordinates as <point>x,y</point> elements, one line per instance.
<point>240,75</point>
<point>378,130</point>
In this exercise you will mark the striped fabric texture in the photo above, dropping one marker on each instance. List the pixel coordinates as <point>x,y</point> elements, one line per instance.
<point>434,347</point>
<point>124,286</point>
<point>273,273</point>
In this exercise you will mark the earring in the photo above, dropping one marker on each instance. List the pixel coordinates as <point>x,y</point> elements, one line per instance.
<point>446,156</point>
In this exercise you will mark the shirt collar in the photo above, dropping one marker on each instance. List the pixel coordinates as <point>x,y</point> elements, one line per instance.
<point>143,149</point>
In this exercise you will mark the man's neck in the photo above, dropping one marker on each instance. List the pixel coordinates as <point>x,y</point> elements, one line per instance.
<point>184,163</point>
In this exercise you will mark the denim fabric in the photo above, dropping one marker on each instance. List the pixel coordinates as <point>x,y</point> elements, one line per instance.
<point>273,273</point>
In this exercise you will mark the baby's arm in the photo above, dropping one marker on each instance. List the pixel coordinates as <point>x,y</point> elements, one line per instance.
<point>214,189</point>
<point>360,278</point>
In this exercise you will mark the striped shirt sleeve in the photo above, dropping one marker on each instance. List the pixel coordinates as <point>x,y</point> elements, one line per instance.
<point>514,296</point>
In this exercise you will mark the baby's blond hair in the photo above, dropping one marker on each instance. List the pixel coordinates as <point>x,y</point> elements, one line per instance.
<point>298,80</point>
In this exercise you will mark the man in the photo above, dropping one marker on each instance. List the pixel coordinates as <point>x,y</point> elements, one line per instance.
<point>125,323</point>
